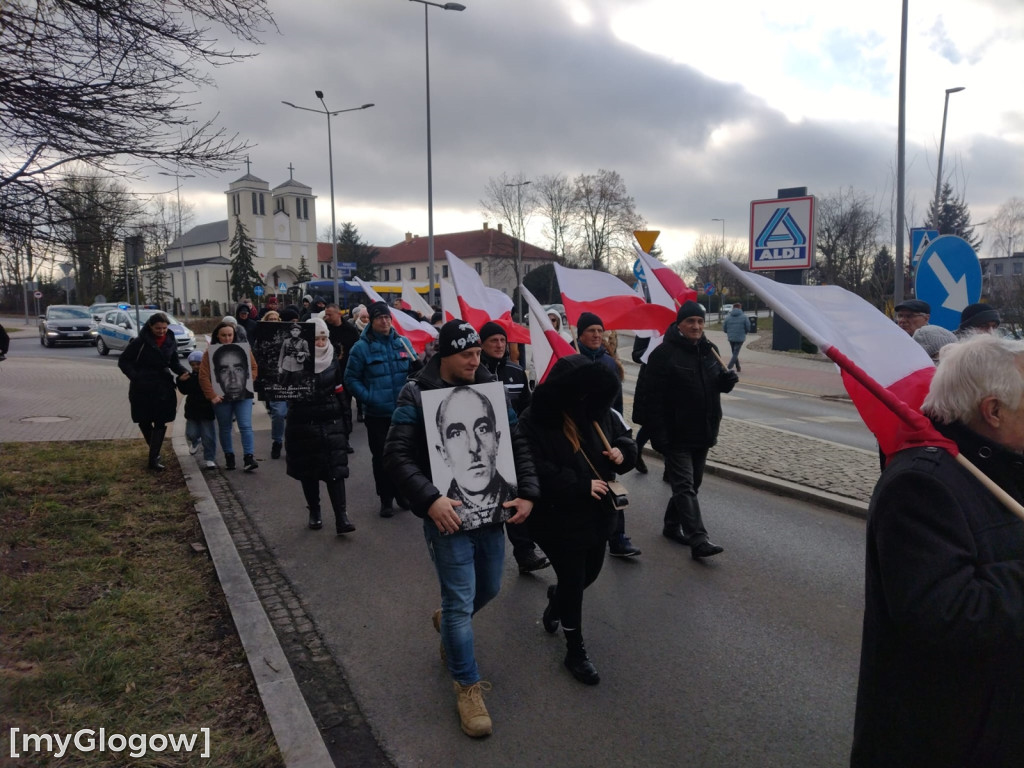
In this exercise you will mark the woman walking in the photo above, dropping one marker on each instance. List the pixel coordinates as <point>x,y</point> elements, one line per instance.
<point>225,362</point>
<point>316,439</point>
<point>152,394</point>
<point>578,445</point>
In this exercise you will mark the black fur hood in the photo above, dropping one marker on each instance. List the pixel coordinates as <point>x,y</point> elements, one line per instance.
<point>577,386</point>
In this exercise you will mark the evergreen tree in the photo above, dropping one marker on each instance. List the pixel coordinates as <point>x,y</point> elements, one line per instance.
<point>123,285</point>
<point>244,276</point>
<point>953,217</point>
<point>157,289</point>
<point>352,248</point>
<point>304,275</point>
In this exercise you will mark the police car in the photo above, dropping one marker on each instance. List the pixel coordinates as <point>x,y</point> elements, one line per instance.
<point>118,326</point>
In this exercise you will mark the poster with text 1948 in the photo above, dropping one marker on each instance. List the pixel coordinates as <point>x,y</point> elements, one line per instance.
<point>284,354</point>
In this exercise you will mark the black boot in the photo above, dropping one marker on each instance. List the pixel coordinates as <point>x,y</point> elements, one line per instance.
<point>336,490</point>
<point>229,461</point>
<point>576,659</point>
<point>156,441</point>
<point>386,510</point>
<point>315,521</point>
<point>550,617</point>
<point>641,465</point>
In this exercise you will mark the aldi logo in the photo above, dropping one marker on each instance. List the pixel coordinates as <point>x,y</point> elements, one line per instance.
<point>782,233</point>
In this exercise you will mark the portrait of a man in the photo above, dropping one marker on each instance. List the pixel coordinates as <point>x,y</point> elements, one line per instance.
<point>231,371</point>
<point>283,354</point>
<point>470,459</point>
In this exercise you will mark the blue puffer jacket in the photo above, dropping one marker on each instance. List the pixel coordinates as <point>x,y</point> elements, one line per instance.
<point>377,369</point>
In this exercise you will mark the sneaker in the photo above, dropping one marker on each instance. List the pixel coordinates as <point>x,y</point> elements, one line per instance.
<point>209,465</point>
<point>472,712</point>
<point>194,449</point>
<point>275,451</point>
<point>250,463</point>
<point>623,547</point>
<point>436,620</point>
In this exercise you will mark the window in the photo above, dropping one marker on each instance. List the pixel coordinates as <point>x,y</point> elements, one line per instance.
<point>1018,268</point>
<point>255,204</point>
<point>444,270</point>
<point>412,273</point>
<point>999,270</point>
<point>305,208</point>
<point>298,208</point>
<point>479,268</point>
<point>263,210</point>
<point>278,204</point>
<point>387,274</point>
<point>398,273</point>
<point>236,204</point>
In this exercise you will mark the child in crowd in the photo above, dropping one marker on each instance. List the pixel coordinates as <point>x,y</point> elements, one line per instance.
<point>199,425</point>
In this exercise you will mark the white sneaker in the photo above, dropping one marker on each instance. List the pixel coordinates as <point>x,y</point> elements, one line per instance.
<point>210,465</point>
<point>194,449</point>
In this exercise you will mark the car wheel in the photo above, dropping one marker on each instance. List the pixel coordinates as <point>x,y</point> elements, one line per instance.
<point>47,342</point>
<point>101,347</point>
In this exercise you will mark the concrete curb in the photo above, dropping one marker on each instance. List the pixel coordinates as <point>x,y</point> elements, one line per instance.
<point>295,730</point>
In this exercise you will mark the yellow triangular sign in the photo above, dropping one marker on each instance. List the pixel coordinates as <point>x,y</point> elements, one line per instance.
<point>646,238</point>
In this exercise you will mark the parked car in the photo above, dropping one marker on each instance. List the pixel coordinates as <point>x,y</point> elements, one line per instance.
<point>118,327</point>
<point>724,310</point>
<point>99,310</point>
<point>67,324</point>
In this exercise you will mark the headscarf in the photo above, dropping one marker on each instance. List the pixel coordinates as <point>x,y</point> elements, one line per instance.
<point>324,355</point>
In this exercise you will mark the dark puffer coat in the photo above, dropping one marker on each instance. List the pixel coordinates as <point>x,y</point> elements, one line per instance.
<point>406,457</point>
<point>378,367</point>
<point>151,393</point>
<point>682,390</point>
<point>566,512</point>
<point>942,655</point>
<point>316,445</point>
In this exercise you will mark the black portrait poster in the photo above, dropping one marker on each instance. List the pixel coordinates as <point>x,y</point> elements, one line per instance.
<point>284,354</point>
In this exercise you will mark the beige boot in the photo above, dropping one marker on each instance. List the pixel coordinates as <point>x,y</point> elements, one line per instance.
<point>436,619</point>
<point>475,720</point>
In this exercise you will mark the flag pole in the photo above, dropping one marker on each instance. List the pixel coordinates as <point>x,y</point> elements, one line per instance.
<point>1008,501</point>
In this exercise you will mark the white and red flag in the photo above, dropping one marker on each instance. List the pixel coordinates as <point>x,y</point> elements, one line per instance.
<point>618,306</point>
<point>885,372</point>
<point>449,301</point>
<point>663,283</point>
<point>479,304</point>
<point>411,299</point>
<point>417,332</point>
<point>546,344</point>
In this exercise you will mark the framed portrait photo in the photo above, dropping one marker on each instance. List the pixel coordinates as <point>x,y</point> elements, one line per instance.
<point>284,353</point>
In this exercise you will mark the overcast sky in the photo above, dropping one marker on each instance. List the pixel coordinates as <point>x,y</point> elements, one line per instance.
<point>700,107</point>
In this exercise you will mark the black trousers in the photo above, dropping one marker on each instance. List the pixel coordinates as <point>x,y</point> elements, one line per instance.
<point>576,568</point>
<point>376,434</point>
<point>522,544</point>
<point>685,470</point>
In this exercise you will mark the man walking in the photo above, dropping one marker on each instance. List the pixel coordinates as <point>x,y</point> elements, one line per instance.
<point>343,335</point>
<point>469,563</point>
<point>683,386</point>
<point>736,327</point>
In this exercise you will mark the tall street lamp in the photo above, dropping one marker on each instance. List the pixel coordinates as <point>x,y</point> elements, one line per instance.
<point>942,146</point>
<point>181,245</point>
<point>723,256</point>
<point>430,171</point>
<point>519,243</point>
<point>330,169</point>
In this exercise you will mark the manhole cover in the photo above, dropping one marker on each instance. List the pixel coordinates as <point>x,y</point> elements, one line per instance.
<point>46,419</point>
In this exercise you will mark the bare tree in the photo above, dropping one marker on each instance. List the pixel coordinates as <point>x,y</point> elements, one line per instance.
<point>701,266</point>
<point>847,239</point>
<point>556,202</point>
<point>1007,227</point>
<point>107,84</point>
<point>512,202</point>
<point>605,217</point>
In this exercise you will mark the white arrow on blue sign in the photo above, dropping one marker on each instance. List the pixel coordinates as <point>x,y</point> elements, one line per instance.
<point>638,271</point>
<point>948,278</point>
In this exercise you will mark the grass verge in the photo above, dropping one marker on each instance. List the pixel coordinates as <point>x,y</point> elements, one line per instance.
<point>109,619</point>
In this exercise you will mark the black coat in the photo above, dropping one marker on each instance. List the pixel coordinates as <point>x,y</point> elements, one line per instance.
<point>343,337</point>
<point>681,389</point>
<point>513,377</point>
<point>406,453</point>
<point>151,393</point>
<point>942,655</point>
<point>197,407</point>
<point>566,513</point>
<point>315,439</point>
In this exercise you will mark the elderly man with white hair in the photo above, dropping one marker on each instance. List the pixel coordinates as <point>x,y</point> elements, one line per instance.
<point>942,656</point>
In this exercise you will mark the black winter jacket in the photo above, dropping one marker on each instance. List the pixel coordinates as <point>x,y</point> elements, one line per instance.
<point>566,512</point>
<point>315,438</point>
<point>942,655</point>
<point>513,377</point>
<point>197,407</point>
<point>151,392</point>
<point>406,457</point>
<point>681,390</point>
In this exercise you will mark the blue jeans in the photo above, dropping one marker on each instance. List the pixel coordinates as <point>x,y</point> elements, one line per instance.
<point>278,411</point>
<point>241,412</point>
<point>469,566</point>
<point>196,430</point>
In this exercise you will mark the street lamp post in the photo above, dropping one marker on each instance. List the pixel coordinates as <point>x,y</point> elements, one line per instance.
<point>519,243</point>
<point>722,256</point>
<point>942,146</point>
<point>430,171</point>
<point>330,170</point>
<point>181,245</point>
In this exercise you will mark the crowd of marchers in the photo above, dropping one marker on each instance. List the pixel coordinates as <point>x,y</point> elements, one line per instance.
<point>942,663</point>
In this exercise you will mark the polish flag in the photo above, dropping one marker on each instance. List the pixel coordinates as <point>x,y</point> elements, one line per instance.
<point>411,299</point>
<point>885,372</point>
<point>546,344</point>
<point>663,280</point>
<point>450,301</point>
<point>479,304</point>
<point>618,306</point>
<point>419,333</point>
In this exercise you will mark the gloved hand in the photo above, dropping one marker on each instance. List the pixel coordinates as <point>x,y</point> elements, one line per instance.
<point>727,380</point>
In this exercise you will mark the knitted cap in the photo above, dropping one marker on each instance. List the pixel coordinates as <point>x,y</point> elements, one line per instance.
<point>491,329</point>
<point>456,336</point>
<point>586,320</point>
<point>689,309</point>
<point>379,309</point>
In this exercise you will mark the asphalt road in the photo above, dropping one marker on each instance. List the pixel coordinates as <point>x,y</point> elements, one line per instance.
<point>749,659</point>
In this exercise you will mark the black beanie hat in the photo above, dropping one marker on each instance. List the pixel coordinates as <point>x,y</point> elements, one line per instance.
<point>456,336</point>
<point>689,309</point>
<point>491,329</point>
<point>586,320</point>
<point>977,315</point>
<point>378,309</point>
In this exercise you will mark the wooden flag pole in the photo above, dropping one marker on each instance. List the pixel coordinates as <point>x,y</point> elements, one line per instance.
<point>1008,501</point>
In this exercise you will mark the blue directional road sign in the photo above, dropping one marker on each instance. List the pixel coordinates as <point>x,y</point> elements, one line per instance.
<point>257,290</point>
<point>709,288</point>
<point>282,287</point>
<point>346,268</point>
<point>948,278</point>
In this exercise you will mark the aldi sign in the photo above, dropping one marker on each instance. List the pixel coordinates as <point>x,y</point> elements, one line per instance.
<point>782,233</point>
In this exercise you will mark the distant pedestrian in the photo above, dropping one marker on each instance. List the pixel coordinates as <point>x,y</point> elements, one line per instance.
<point>244,317</point>
<point>148,361</point>
<point>344,336</point>
<point>736,327</point>
<point>316,441</point>
<point>933,338</point>
<point>276,409</point>
<point>200,422</point>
